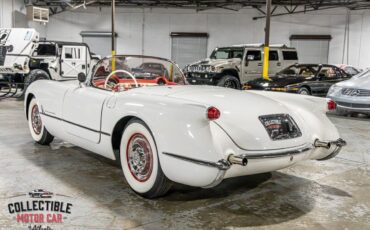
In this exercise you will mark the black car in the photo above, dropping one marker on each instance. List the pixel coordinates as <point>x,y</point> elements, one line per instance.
<point>307,79</point>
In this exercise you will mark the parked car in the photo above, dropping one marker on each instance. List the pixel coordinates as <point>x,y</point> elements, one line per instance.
<point>193,135</point>
<point>23,56</point>
<point>306,79</point>
<point>233,66</point>
<point>351,96</point>
<point>350,70</point>
<point>40,193</point>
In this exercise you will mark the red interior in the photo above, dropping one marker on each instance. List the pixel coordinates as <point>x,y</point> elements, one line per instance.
<point>130,83</point>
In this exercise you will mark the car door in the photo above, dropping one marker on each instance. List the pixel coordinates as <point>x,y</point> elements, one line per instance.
<point>81,112</point>
<point>73,61</point>
<point>327,76</point>
<point>252,65</point>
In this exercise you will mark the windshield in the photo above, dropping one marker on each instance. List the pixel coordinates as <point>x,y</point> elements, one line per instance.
<point>302,71</point>
<point>135,71</point>
<point>365,73</point>
<point>46,50</point>
<point>227,53</point>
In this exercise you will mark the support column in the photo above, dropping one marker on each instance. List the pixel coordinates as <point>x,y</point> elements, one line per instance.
<point>113,36</point>
<point>266,49</point>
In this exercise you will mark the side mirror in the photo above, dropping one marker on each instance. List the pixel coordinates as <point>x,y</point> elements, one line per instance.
<point>81,77</point>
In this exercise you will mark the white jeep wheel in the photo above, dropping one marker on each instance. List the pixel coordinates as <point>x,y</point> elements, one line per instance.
<point>139,160</point>
<point>36,126</point>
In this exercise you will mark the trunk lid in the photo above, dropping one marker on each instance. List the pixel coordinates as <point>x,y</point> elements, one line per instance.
<point>240,112</point>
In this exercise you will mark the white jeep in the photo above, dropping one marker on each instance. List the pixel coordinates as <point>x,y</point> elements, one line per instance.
<point>24,58</point>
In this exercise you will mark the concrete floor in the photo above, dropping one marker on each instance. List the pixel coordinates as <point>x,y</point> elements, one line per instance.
<point>334,194</point>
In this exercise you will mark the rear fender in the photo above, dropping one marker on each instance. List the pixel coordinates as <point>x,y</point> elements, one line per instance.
<point>181,129</point>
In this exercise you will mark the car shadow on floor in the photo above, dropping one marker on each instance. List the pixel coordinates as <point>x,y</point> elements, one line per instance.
<point>257,200</point>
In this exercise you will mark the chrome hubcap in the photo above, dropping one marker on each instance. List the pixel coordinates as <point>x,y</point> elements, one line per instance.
<point>139,157</point>
<point>36,120</point>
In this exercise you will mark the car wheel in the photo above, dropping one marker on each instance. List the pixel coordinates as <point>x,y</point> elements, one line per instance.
<point>304,91</point>
<point>34,75</point>
<point>229,81</point>
<point>36,126</point>
<point>140,163</point>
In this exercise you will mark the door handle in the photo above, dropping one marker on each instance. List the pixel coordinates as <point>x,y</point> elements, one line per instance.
<point>73,63</point>
<point>259,64</point>
<point>278,64</point>
<point>83,66</point>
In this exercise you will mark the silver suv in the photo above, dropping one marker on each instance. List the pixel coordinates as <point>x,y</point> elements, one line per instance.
<point>235,65</point>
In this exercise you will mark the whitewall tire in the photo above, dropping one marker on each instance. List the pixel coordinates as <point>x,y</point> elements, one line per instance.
<point>36,126</point>
<point>139,160</point>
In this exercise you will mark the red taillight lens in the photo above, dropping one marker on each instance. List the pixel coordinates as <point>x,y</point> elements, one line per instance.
<point>332,105</point>
<point>213,113</point>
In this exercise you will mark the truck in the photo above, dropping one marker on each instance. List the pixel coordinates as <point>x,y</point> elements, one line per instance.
<point>25,58</point>
<point>233,66</point>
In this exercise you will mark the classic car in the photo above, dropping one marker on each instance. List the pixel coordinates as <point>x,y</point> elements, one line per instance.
<point>40,193</point>
<point>351,96</point>
<point>306,79</point>
<point>193,135</point>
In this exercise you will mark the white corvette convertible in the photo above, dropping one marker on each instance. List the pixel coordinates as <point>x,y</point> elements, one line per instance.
<point>160,130</point>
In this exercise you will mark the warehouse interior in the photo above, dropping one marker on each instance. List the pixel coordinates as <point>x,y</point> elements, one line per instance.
<point>146,30</point>
<point>44,159</point>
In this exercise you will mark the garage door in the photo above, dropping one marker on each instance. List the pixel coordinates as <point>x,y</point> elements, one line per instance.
<point>188,48</point>
<point>98,42</point>
<point>311,49</point>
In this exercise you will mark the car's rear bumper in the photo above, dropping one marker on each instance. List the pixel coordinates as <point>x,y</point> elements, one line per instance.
<point>352,104</point>
<point>254,163</point>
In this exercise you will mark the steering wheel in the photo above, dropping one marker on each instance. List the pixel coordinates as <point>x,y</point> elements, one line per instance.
<point>119,71</point>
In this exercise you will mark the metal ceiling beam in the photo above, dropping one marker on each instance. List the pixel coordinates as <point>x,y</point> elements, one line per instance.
<point>288,6</point>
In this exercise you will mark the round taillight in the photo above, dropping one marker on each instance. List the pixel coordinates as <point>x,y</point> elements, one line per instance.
<point>332,105</point>
<point>213,113</point>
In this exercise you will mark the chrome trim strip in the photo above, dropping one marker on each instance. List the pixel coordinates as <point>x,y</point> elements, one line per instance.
<point>221,164</point>
<point>276,155</point>
<point>354,108</point>
<point>78,125</point>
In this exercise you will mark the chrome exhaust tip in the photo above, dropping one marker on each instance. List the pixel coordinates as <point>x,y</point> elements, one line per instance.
<point>238,160</point>
<point>322,144</point>
<point>327,144</point>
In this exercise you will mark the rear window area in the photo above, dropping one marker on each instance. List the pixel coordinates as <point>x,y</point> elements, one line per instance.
<point>290,55</point>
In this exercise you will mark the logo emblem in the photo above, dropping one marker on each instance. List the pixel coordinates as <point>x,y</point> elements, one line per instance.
<point>351,92</point>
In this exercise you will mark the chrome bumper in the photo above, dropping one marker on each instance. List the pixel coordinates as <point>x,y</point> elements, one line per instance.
<point>243,159</point>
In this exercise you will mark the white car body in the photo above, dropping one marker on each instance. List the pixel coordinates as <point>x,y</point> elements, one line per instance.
<point>352,95</point>
<point>192,150</point>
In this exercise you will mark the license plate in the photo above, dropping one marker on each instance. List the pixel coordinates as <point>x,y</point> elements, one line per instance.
<point>280,126</point>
